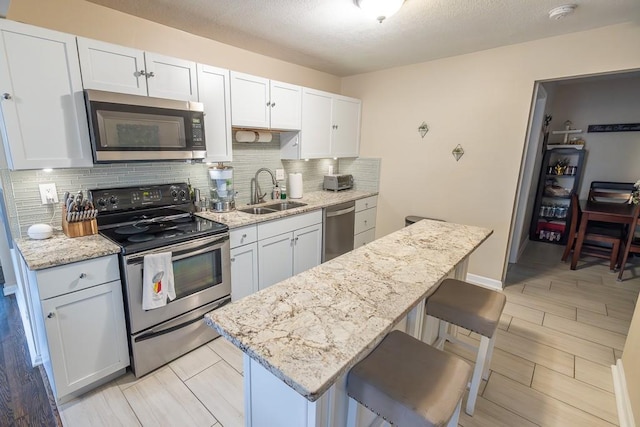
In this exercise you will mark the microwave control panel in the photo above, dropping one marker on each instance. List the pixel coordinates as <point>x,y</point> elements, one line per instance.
<point>197,133</point>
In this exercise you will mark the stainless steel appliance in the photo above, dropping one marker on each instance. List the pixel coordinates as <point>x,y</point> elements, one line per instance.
<point>159,218</point>
<point>126,128</point>
<point>337,233</point>
<point>338,182</point>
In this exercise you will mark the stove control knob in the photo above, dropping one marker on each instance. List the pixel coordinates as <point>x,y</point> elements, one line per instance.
<point>113,200</point>
<point>174,193</point>
<point>102,202</point>
<point>183,194</point>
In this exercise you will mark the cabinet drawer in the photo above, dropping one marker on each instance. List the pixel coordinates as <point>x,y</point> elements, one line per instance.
<point>79,275</point>
<point>365,220</point>
<point>366,203</point>
<point>242,236</point>
<point>364,238</point>
<point>286,225</point>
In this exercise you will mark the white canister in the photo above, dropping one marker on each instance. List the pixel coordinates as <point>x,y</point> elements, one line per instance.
<point>295,185</point>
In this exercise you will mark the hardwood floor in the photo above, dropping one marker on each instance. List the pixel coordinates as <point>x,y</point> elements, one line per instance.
<point>560,332</point>
<point>24,400</point>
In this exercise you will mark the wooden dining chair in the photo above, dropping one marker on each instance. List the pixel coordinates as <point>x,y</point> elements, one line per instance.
<point>632,242</point>
<point>598,242</point>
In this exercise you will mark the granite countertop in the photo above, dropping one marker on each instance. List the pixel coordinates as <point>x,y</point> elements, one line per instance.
<point>314,200</point>
<point>312,328</point>
<point>60,249</point>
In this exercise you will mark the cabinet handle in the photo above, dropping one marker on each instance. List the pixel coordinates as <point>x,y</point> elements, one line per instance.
<point>244,236</point>
<point>273,104</point>
<point>83,275</point>
<point>51,315</point>
<point>6,95</point>
<point>151,74</point>
<point>142,73</point>
<point>365,221</point>
<point>233,260</point>
<point>269,104</point>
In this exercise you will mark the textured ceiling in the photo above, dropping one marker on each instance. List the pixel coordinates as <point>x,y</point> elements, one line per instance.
<point>336,37</point>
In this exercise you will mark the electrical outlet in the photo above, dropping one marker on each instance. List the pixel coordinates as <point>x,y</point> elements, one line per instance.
<point>279,174</point>
<point>48,193</point>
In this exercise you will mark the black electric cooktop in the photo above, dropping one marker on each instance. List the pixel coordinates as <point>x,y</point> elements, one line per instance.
<point>149,217</point>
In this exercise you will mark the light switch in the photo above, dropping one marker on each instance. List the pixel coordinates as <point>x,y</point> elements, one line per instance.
<point>279,174</point>
<point>48,193</point>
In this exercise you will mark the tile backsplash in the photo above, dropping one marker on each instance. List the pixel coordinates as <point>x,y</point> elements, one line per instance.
<point>24,208</point>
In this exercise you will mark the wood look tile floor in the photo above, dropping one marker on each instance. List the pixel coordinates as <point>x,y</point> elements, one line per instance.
<point>559,333</point>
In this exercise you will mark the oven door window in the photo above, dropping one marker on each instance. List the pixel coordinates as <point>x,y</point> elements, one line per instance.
<point>196,273</point>
<point>140,131</point>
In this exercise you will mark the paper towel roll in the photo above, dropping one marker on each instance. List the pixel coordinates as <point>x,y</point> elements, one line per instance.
<point>295,185</point>
<point>253,136</point>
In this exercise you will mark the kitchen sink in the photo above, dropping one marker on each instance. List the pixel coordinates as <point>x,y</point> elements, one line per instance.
<point>258,211</point>
<point>283,206</point>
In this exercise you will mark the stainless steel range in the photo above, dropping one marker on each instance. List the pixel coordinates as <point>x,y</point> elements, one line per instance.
<point>160,218</point>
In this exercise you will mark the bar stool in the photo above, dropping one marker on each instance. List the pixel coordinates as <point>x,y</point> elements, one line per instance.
<point>408,383</point>
<point>471,307</point>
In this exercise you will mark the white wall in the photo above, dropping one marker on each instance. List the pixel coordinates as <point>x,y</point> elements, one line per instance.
<point>611,156</point>
<point>481,101</point>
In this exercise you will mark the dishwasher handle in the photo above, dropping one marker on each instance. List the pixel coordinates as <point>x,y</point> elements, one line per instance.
<point>341,212</point>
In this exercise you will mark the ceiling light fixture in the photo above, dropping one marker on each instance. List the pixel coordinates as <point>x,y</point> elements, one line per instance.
<point>562,11</point>
<point>380,9</point>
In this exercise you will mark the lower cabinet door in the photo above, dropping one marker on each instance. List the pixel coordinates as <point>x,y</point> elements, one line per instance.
<point>363,238</point>
<point>87,336</point>
<point>275,259</point>
<point>244,271</point>
<point>307,248</point>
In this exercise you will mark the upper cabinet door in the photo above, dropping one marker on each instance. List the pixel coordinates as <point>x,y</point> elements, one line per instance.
<point>213,92</point>
<point>171,78</point>
<point>44,121</point>
<point>249,101</point>
<point>346,127</point>
<point>112,68</point>
<point>316,124</point>
<point>286,106</point>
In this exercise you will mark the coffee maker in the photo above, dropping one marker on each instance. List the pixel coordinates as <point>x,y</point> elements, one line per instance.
<point>222,192</point>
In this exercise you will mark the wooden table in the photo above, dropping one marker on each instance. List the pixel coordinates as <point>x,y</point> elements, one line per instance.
<point>616,213</point>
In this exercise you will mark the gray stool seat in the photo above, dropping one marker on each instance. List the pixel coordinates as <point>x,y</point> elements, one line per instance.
<point>469,306</point>
<point>408,382</point>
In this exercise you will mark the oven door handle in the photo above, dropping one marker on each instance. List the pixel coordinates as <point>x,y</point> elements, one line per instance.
<point>189,253</point>
<point>156,333</point>
<point>184,253</point>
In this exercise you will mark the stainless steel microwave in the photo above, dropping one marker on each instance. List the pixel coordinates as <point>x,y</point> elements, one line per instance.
<point>129,128</point>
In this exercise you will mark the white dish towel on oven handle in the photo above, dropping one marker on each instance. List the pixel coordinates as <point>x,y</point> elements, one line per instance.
<point>157,280</point>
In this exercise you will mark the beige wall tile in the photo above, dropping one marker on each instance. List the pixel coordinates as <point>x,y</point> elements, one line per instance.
<point>588,398</point>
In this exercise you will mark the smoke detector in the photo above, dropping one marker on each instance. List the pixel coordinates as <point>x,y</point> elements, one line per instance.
<point>561,11</point>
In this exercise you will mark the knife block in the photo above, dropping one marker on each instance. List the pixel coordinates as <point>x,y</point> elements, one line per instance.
<point>80,228</point>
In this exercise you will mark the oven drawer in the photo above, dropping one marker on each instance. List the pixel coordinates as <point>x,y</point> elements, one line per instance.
<point>76,276</point>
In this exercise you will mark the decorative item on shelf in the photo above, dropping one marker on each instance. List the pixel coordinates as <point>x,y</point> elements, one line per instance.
<point>553,189</point>
<point>458,152</point>
<point>545,128</point>
<point>621,127</point>
<point>560,168</point>
<point>574,142</point>
<point>423,129</point>
<point>635,195</point>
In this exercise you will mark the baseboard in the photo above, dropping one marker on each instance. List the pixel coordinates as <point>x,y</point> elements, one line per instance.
<point>625,414</point>
<point>523,246</point>
<point>9,290</point>
<point>484,281</point>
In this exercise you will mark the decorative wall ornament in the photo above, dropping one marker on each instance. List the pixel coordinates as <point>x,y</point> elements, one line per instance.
<point>423,129</point>
<point>622,127</point>
<point>458,152</point>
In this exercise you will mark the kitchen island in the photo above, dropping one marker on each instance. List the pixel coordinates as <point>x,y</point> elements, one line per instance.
<point>301,336</point>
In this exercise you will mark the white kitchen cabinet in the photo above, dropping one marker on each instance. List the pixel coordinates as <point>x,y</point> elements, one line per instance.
<point>80,320</point>
<point>330,126</point>
<point>244,262</point>
<point>365,221</point>
<point>261,103</point>
<point>115,68</point>
<point>288,246</point>
<point>214,94</point>
<point>43,115</point>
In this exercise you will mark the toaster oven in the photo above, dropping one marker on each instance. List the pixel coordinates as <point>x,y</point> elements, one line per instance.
<point>337,182</point>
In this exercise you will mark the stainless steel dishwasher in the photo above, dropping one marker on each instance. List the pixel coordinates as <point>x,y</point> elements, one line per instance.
<point>337,235</point>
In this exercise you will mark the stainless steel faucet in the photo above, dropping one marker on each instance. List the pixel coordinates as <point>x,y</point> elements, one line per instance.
<point>255,194</point>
